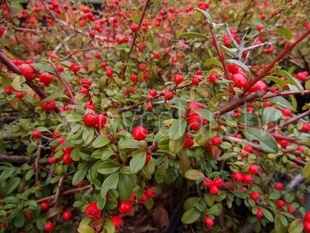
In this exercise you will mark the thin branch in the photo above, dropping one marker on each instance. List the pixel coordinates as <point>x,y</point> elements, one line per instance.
<point>74,190</point>
<point>284,93</point>
<point>134,40</point>
<point>58,190</point>
<point>288,48</point>
<point>66,85</point>
<point>36,163</point>
<point>13,158</point>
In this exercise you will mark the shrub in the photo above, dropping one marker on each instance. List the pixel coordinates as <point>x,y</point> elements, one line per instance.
<point>115,107</point>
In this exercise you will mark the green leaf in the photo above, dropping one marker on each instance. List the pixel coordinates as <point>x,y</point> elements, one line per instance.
<point>248,119</point>
<point>56,96</point>
<point>108,167</point>
<point>109,226</point>
<point>206,114</point>
<point>125,186</point>
<point>83,228</point>
<point>137,162</point>
<point>175,146</point>
<point>280,101</point>
<point>287,33</point>
<point>6,173</point>
<point>193,35</point>
<point>177,129</point>
<point>12,184</point>
<point>274,195</point>
<point>126,143</point>
<point>111,182</point>
<point>292,80</point>
<point>266,141</point>
<point>190,216</point>
<point>212,61</point>
<point>279,227</point>
<point>44,67</point>
<point>16,83</point>
<point>194,174</point>
<point>215,209</point>
<point>268,214</point>
<point>190,202</point>
<point>79,175</point>
<point>19,220</point>
<point>271,114</point>
<point>296,226</point>
<point>88,135</point>
<point>240,64</point>
<point>206,14</point>
<point>101,141</point>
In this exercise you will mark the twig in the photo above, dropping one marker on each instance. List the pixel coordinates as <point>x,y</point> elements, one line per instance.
<point>62,80</point>
<point>58,190</point>
<point>134,40</point>
<point>36,163</point>
<point>288,47</point>
<point>13,158</point>
<point>236,102</point>
<point>74,190</point>
<point>284,93</point>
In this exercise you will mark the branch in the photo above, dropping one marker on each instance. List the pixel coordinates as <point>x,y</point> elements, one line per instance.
<point>288,48</point>
<point>61,79</point>
<point>134,40</point>
<point>13,158</point>
<point>36,164</point>
<point>236,102</point>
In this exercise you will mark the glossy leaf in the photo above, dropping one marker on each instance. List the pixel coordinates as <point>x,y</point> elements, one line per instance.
<point>177,129</point>
<point>137,162</point>
<point>101,141</point>
<point>111,182</point>
<point>296,226</point>
<point>190,216</point>
<point>193,174</point>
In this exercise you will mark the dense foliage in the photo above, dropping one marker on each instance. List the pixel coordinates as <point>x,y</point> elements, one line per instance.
<point>116,106</point>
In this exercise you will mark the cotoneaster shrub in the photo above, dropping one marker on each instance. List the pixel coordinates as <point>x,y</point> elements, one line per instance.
<point>113,106</point>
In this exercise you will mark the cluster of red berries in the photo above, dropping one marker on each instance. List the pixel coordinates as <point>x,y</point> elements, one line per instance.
<point>93,119</point>
<point>195,121</point>
<point>214,185</point>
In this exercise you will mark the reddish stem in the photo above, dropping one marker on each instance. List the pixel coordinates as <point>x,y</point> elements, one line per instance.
<point>134,40</point>
<point>67,87</point>
<point>288,47</point>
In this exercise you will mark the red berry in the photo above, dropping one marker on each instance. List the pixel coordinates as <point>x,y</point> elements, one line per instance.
<point>101,121</point>
<point>92,211</point>
<point>307,217</point>
<point>259,86</point>
<point>233,68</point>
<point>196,121</point>
<point>134,78</point>
<point>239,80</point>
<point>216,141</point>
<point>66,159</point>
<point>150,192</point>
<point>46,78</point>
<point>67,150</point>
<point>134,27</point>
<point>153,92</point>
<point>218,182</point>
<point>52,160</point>
<point>139,133</point>
<point>188,141</point>
<point>237,176</point>
<point>259,213</point>
<point>260,27</point>
<point>306,226</point>
<point>207,182</point>
<point>2,29</point>
<point>278,186</point>
<point>168,95</point>
<point>48,105</point>
<point>196,80</point>
<point>286,112</point>
<point>36,134</point>
<point>254,196</point>
<point>247,178</point>
<point>90,119</point>
<point>209,222</point>
<point>254,169</point>
<point>124,207</point>
<point>148,159</point>
<point>117,222</point>
<point>109,72</point>
<point>178,78</point>
<point>248,149</point>
<point>86,82</point>
<point>214,190</point>
<point>194,105</point>
<point>29,72</point>
<point>19,94</point>
<point>66,215</point>
<point>49,226</point>
<point>44,205</point>
<point>213,78</point>
<point>8,90</point>
<point>280,203</point>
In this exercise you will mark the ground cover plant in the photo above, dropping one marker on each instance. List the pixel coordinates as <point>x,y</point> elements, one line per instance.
<point>141,116</point>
